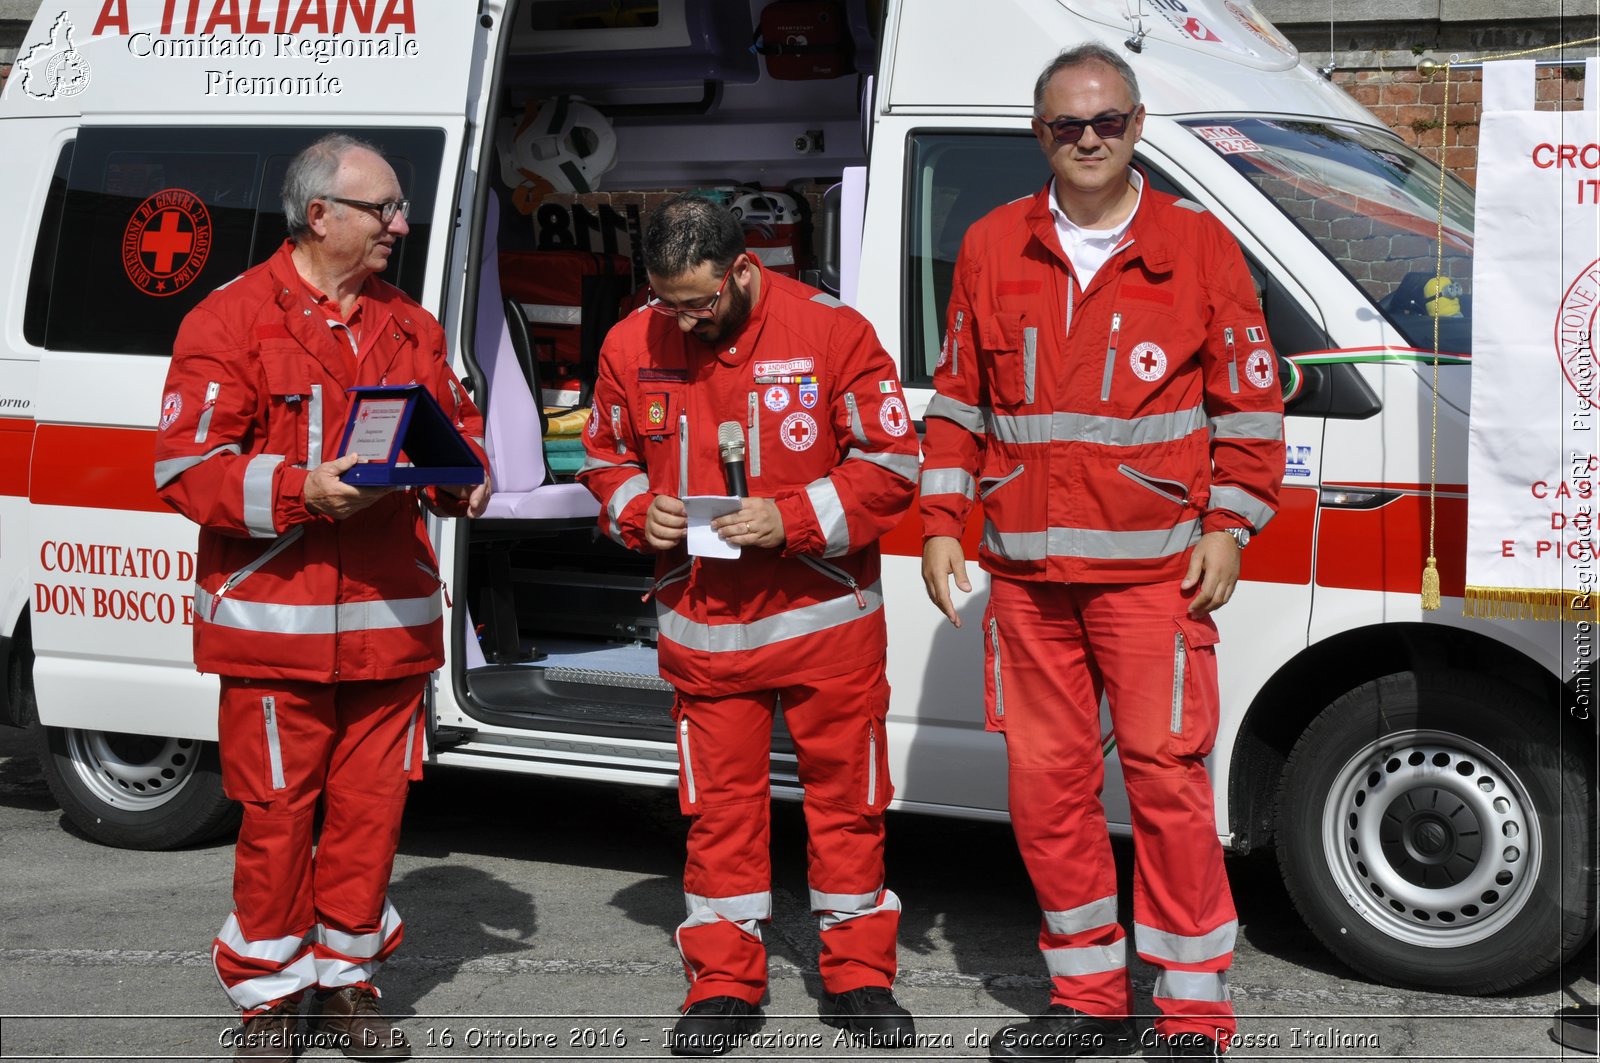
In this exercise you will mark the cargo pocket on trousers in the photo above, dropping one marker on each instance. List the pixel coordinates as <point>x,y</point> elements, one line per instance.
<point>1195,700</point>
<point>879,787</point>
<point>252,766</point>
<point>688,798</point>
<point>994,692</point>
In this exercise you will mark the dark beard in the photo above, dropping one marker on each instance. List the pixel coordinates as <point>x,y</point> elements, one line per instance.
<point>738,313</point>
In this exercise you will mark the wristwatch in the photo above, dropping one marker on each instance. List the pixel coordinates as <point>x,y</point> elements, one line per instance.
<point>1240,536</point>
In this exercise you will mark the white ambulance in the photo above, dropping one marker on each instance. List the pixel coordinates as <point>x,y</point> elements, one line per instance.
<point>1428,781</point>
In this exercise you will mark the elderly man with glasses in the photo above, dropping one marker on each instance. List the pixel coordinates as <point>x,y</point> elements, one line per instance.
<point>316,602</point>
<point>736,357</point>
<point>1107,391</point>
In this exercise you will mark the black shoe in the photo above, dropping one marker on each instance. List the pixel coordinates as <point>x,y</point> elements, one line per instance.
<point>1061,1035</point>
<point>872,1014</point>
<point>712,1027</point>
<point>1188,1046</point>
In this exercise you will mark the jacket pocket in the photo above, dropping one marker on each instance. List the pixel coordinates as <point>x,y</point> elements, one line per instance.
<point>1174,491</point>
<point>994,691</point>
<point>688,793</point>
<point>988,485</point>
<point>295,416</point>
<point>1195,706</point>
<point>1012,354</point>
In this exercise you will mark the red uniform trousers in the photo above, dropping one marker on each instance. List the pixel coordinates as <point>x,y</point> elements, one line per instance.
<point>1052,650</point>
<point>301,920</point>
<point>724,749</point>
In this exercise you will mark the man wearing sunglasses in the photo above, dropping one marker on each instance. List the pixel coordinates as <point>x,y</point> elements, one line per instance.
<point>1107,391</point>
<point>316,602</point>
<point>729,351</point>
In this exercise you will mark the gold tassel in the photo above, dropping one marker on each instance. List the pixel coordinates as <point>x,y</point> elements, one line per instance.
<point>1430,586</point>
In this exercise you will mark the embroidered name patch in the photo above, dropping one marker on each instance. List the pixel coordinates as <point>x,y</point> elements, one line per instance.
<point>792,365</point>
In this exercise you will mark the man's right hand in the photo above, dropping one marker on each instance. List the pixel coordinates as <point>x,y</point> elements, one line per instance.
<point>666,522</point>
<point>941,559</point>
<point>330,496</point>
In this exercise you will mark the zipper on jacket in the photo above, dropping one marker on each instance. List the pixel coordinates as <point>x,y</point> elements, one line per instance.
<point>1179,658</point>
<point>872,764</point>
<point>994,648</point>
<point>203,429</point>
<point>683,455</point>
<point>855,418</point>
<point>242,574</point>
<point>753,432</point>
<point>1172,490</point>
<point>833,572</point>
<point>433,574</point>
<point>1030,359</point>
<point>269,714</point>
<point>996,482</point>
<point>683,758</point>
<point>1233,361</point>
<point>1069,307</point>
<point>671,576</point>
<point>616,428</point>
<point>955,345</point>
<point>1111,356</point>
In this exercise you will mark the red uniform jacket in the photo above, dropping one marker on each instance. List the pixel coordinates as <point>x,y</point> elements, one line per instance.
<point>1103,430</point>
<point>829,440</point>
<point>255,397</point>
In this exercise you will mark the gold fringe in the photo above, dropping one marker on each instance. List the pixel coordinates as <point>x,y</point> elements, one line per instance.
<point>1430,585</point>
<point>1530,603</point>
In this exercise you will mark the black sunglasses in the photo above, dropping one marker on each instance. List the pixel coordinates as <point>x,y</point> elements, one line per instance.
<point>1106,126</point>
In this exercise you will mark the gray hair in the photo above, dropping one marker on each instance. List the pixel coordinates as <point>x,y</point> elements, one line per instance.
<point>689,229</point>
<point>310,176</point>
<point>1079,56</point>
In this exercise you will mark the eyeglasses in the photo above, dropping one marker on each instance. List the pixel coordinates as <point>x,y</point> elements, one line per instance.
<point>703,313</point>
<point>385,210</point>
<point>1105,126</point>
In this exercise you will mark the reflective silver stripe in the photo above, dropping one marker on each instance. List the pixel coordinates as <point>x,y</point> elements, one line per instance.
<point>593,462</point>
<point>1247,426</point>
<point>411,734</point>
<point>172,468</point>
<point>1178,948</point>
<point>825,299</point>
<point>1171,490</point>
<point>1089,428</point>
<point>955,345</point>
<point>254,992</point>
<point>203,427</point>
<point>1179,661</point>
<point>257,493</point>
<point>988,485</point>
<point>753,442</point>
<point>999,689</point>
<point>744,906</point>
<point>272,950</point>
<point>968,417</point>
<point>278,619</point>
<point>1233,361</point>
<point>553,314</point>
<point>1090,543</point>
<point>314,428</point>
<point>684,762</point>
<point>616,428</point>
<point>1111,357</point>
<point>1192,985</point>
<point>831,519</point>
<point>269,714</point>
<point>630,489</point>
<point>1087,960</point>
<point>1189,204</point>
<point>1030,358</point>
<point>854,408</point>
<point>832,917</point>
<point>948,482</point>
<point>683,455</point>
<point>1085,917</point>
<point>361,946</point>
<point>1237,500</point>
<point>872,764</point>
<point>268,554</point>
<point>902,465</point>
<point>768,631</point>
<point>844,902</point>
<point>774,256</point>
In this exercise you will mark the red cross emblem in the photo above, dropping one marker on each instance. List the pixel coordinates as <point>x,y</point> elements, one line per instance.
<point>1258,369</point>
<point>167,241</point>
<point>896,421</point>
<point>1149,362</point>
<point>799,431</point>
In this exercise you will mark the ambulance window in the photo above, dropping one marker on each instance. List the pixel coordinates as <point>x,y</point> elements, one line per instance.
<point>35,312</point>
<point>155,218</point>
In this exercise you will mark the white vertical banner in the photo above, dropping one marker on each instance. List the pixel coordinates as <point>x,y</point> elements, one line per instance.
<point>1534,441</point>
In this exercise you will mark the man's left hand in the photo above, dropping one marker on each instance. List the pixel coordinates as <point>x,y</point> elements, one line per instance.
<point>477,495</point>
<point>757,523</point>
<point>1214,567</point>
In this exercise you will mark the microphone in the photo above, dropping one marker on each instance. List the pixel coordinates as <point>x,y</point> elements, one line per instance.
<point>730,444</point>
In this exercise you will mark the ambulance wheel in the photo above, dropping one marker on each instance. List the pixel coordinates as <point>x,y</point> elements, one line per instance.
<point>137,791</point>
<point>1435,832</point>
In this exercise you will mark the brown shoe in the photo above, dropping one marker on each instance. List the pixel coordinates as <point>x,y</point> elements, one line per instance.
<point>349,1017</point>
<point>271,1036</point>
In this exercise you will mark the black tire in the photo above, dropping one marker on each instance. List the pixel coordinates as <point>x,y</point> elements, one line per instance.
<point>137,791</point>
<point>1385,811</point>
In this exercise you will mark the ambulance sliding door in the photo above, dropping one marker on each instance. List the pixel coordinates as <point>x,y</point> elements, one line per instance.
<point>155,218</point>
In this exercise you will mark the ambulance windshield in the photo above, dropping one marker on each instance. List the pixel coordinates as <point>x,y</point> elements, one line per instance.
<point>1372,204</point>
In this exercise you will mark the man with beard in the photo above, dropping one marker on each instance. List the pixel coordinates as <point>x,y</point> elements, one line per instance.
<point>726,348</point>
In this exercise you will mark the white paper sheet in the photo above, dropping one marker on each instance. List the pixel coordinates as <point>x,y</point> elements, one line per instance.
<point>703,509</point>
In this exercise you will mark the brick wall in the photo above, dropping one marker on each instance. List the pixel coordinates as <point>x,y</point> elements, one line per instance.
<point>1431,115</point>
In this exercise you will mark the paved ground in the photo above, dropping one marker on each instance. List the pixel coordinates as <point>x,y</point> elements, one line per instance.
<point>539,916</point>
